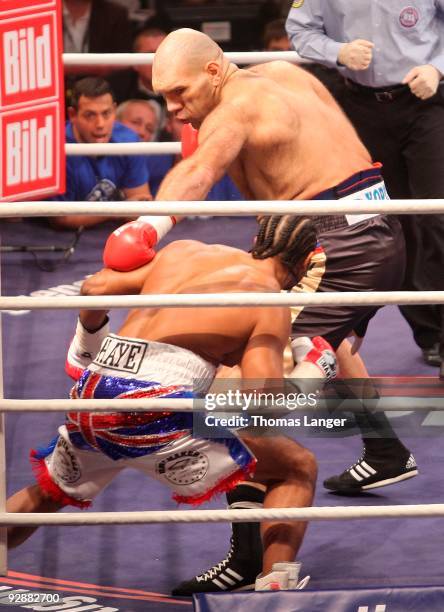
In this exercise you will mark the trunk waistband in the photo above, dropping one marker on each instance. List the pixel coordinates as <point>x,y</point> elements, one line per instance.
<point>365,185</point>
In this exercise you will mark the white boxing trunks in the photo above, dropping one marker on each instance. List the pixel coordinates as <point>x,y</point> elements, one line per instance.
<point>92,448</point>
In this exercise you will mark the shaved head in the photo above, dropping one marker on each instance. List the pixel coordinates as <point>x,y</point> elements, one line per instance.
<point>190,72</point>
<point>183,52</point>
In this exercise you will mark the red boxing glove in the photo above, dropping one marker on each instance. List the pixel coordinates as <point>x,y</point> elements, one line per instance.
<point>131,245</point>
<point>315,358</point>
<point>189,138</point>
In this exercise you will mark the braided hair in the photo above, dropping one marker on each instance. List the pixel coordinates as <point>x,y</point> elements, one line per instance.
<point>292,237</point>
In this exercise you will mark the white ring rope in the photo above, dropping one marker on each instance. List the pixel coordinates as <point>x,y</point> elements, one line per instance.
<point>123,148</point>
<point>384,404</point>
<point>225,300</point>
<point>223,516</point>
<point>222,208</point>
<point>143,59</point>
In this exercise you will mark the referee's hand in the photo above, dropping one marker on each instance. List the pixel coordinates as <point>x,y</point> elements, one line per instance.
<point>356,55</point>
<point>423,81</point>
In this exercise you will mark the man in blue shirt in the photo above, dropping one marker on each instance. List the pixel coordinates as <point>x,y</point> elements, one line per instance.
<point>92,120</point>
<point>392,57</point>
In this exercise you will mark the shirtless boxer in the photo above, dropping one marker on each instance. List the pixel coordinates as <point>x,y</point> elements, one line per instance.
<point>281,136</point>
<point>162,353</point>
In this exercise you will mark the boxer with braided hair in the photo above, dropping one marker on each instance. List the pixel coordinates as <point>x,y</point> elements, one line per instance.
<point>160,353</point>
<point>289,236</point>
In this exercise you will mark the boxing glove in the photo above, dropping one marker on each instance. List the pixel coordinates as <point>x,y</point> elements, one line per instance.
<point>189,138</point>
<point>314,358</point>
<point>83,348</point>
<point>131,245</point>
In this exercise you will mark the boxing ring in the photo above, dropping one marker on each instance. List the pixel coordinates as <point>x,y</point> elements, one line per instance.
<point>237,211</point>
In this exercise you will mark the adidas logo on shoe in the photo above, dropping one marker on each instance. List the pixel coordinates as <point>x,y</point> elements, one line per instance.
<point>226,575</point>
<point>411,463</point>
<point>368,474</point>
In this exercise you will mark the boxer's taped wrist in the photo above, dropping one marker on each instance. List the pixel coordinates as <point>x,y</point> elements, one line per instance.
<point>90,341</point>
<point>162,225</point>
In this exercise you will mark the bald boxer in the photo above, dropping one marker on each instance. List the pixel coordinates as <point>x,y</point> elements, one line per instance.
<point>281,136</point>
<point>174,353</point>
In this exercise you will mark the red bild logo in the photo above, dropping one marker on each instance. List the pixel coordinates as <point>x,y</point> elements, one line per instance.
<point>28,69</point>
<point>31,141</point>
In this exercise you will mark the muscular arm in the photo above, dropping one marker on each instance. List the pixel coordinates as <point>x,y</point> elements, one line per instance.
<point>263,355</point>
<point>221,138</point>
<point>110,282</point>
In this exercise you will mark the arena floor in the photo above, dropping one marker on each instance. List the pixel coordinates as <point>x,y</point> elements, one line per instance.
<point>132,568</point>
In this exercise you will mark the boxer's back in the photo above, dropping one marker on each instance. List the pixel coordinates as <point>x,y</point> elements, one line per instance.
<point>300,142</point>
<point>218,334</point>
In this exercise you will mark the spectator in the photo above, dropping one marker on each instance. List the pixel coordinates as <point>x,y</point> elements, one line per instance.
<point>92,120</point>
<point>136,82</point>
<point>392,59</point>
<point>142,116</point>
<point>275,36</point>
<point>95,27</point>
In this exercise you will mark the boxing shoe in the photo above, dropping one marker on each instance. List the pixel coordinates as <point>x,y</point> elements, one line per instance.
<point>432,355</point>
<point>238,570</point>
<point>230,574</point>
<point>370,472</point>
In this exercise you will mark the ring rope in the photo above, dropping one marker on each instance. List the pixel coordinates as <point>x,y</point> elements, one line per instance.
<point>384,404</point>
<point>143,59</point>
<point>123,148</point>
<point>222,208</point>
<point>226,300</point>
<point>224,516</point>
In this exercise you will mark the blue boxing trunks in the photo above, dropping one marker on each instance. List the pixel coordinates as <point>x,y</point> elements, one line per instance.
<point>92,448</point>
<point>356,252</point>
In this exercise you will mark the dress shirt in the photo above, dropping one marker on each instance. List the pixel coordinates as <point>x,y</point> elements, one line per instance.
<point>405,34</point>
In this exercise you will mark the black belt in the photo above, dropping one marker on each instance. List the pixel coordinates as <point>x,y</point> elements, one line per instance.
<point>383,94</point>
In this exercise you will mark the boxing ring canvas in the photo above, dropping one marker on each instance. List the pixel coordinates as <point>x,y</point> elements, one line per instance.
<point>132,568</point>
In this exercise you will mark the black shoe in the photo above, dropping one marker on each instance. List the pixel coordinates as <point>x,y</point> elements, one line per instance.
<point>431,355</point>
<point>239,569</point>
<point>230,574</point>
<point>369,473</point>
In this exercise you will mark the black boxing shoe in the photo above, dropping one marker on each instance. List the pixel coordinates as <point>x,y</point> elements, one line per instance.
<point>372,472</point>
<point>243,562</point>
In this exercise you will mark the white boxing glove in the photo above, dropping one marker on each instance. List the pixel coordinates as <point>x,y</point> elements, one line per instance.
<point>83,348</point>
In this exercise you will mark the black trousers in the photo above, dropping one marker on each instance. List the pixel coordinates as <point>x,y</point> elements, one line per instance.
<point>407,136</point>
